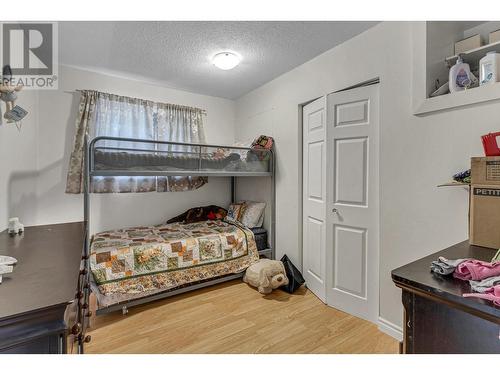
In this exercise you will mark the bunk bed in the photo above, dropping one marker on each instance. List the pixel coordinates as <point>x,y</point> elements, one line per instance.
<point>113,156</point>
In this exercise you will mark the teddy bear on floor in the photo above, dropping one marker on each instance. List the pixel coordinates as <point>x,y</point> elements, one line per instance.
<point>266,275</point>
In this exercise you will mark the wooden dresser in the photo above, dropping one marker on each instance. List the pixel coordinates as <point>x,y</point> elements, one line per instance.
<point>41,302</point>
<point>437,319</point>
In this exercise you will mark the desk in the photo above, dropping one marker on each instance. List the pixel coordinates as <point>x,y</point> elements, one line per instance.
<point>437,319</point>
<point>37,300</point>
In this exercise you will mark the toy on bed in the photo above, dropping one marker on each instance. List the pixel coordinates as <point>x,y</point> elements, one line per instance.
<point>193,215</point>
<point>262,142</point>
<point>266,275</point>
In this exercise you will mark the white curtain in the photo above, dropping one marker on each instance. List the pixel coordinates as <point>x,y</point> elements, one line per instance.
<point>179,124</point>
<point>124,117</point>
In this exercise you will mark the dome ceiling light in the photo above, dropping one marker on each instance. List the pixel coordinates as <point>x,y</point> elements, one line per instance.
<point>226,60</point>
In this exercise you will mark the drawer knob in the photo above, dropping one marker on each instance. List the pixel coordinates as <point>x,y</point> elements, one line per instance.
<point>87,339</point>
<point>89,314</point>
<point>76,329</point>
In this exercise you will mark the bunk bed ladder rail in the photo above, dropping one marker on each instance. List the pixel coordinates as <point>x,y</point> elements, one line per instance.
<point>273,204</point>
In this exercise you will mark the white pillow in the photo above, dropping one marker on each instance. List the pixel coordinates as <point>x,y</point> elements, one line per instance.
<point>253,214</point>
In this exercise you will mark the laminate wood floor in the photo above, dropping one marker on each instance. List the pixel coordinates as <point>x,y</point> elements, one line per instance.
<point>234,318</point>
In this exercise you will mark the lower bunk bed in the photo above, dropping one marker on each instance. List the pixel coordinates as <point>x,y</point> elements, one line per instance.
<point>140,264</point>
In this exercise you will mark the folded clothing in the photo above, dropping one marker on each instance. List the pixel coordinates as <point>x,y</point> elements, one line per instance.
<point>491,294</point>
<point>445,266</point>
<point>473,269</point>
<point>481,286</point>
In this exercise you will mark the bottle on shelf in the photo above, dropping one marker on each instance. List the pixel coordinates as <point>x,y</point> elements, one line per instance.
<point>489,68</point>
<point>460,76</point>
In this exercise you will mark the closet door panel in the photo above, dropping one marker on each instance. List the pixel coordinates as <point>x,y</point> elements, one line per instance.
<point>314,197</point>
<point>352,218</point>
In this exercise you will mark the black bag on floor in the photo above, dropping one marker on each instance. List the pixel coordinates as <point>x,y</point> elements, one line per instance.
<point>295,278</point>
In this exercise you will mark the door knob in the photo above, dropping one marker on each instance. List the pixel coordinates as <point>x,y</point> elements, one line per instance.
<point>335,211</point>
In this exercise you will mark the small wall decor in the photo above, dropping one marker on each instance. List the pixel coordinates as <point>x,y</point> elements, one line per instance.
<point>8,94</point>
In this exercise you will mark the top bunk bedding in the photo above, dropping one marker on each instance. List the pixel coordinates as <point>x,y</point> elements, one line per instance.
<point>131,263</point>
<point>159,161</point>
<point>120,157</point>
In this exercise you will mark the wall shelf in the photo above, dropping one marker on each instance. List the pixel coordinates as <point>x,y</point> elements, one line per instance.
<point>482,94</point>
<point>474,55</point>
<point>454,183</point>
<point>433,47</point>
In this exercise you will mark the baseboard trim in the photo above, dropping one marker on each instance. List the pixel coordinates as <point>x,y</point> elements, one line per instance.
<point>390,329</point>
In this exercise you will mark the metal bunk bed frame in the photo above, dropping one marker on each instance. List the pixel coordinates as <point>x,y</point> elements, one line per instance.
<point>90,171</point>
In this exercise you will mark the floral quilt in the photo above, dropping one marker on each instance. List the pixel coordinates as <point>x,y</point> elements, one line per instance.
<point>143,259</point>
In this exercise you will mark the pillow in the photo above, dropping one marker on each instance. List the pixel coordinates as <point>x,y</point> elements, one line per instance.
<point>253,214</point>
<point>234,211</point>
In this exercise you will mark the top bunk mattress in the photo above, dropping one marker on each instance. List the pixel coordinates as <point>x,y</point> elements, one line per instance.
<point>120,160</point>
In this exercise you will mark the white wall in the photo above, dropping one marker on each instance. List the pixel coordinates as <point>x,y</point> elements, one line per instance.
<point>44,145</point>
<point>18,162</point>
<point>416,153</point>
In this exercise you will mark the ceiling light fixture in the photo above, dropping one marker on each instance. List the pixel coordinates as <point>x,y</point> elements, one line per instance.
<point>226,60</point>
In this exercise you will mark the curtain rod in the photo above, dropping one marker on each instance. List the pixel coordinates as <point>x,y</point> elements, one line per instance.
<point>203,111</point>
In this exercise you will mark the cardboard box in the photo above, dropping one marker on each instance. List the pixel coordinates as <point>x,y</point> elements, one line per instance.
<point>467,44</point>
<point>494,36</point>
<point>485,170</point>
<point>484,221</point>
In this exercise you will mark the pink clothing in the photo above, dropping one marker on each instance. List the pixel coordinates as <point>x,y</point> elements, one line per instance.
<point>473,269</point>
<point>492,294</point>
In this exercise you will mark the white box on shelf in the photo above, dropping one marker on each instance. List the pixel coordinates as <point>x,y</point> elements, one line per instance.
<point>494,36</point>
<point>467,44</point>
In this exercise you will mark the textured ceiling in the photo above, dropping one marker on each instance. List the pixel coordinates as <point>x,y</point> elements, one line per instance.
<point>178,54</point>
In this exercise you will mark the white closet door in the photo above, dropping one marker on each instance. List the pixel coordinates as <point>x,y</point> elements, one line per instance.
<point>352,202</point>
<point>314,197</point>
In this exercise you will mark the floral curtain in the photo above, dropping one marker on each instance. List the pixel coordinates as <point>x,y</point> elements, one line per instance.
<point>102,114</point>
<point>75,178</point>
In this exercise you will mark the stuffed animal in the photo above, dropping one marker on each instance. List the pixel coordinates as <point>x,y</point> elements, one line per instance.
<point>266,275</point>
